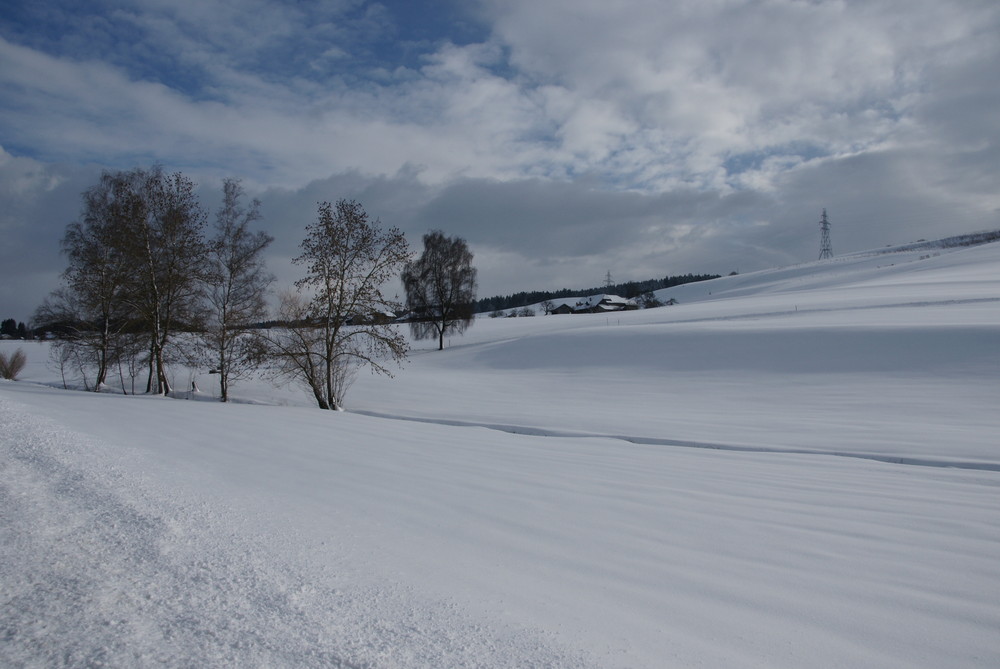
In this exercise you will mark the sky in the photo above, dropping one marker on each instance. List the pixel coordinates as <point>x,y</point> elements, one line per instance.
<point>563,139</point>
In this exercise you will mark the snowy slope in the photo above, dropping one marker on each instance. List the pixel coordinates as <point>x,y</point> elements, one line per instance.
<point>798,469</point>
<point>886,355</point>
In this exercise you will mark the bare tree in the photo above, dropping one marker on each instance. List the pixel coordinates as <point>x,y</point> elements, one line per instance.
<point>237,287</point>
<point>299,349</point>
<point>62,356</point>
<point>131,351</point>
<point>93,306</point>
<point>167,244</point>
<point>348,260</point>
<point>440,288</point>
<point>81,345</point>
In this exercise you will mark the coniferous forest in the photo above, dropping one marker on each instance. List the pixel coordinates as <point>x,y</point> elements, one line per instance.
<point>628,289</point>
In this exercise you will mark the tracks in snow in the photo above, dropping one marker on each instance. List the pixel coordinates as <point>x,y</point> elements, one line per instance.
<point>680,443</point>
<point>100,566</point>
<point>95,574</point>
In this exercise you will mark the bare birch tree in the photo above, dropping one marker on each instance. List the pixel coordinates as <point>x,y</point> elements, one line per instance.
<point>167,242</point>
<point>237,287</point>
<point>93,306</point>
<point>348,259</point>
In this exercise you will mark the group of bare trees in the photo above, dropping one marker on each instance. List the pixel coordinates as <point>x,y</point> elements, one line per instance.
<point>145,288</point>
<point>141,272</point>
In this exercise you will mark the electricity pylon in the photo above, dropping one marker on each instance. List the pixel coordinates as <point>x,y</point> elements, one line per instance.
<point>825,246</point>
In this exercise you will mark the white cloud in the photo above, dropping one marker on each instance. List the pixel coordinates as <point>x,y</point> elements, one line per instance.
<point>723,77</point>
<point>662,93</point>
<point>684,135</point>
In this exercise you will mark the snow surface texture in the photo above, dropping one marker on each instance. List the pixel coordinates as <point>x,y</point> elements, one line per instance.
<point>789,468</point>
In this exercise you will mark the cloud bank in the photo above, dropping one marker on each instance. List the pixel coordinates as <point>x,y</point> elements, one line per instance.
<point>562,138</point>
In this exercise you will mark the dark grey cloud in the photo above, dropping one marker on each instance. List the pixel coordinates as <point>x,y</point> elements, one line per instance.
<point>37,201</point>
<point>536,234</point>
<point>557,218</point>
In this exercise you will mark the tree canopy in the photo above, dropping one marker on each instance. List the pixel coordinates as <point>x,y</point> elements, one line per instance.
<point>440,288</point>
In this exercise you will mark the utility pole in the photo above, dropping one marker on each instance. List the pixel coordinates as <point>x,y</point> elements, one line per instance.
<point>607,280</point>
<point>825,245</point>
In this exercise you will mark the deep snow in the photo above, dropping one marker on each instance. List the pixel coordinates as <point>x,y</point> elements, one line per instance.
<point>790,468</point>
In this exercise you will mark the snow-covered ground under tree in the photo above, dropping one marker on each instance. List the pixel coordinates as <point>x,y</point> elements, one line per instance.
<point>791,468</point>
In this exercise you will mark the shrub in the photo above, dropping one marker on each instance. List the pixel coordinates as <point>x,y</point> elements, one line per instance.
<point>11,366</point>
<point>649,301</point>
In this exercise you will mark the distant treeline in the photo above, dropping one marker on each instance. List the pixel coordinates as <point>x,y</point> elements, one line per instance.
<point>628,289</point>
<point>970,239</point>
<point>11,329</point>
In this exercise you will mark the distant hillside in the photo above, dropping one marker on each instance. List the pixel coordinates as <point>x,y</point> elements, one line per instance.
<point>633,289</point>
<point>627,289</point>
<point>867,265</point>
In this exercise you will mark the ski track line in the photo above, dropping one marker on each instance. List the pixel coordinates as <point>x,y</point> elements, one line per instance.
<point>656,441</point>
<point>97,571</point>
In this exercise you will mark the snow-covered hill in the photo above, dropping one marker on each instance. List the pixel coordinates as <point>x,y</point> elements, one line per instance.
<point>795,467</point>
<point>888,355</point>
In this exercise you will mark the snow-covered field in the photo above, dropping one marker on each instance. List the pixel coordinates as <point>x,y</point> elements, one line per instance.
<point>791,468</point>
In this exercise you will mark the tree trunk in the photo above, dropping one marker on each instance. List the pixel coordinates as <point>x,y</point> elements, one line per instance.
<point>161,372</point>
<point>102,356</point>
<point>223,368</point>
<point>320,400</point>
<point>152,365</point>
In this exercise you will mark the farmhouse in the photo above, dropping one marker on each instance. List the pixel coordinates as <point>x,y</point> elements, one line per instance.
<point>594,304</point>
<point>598,304</point>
